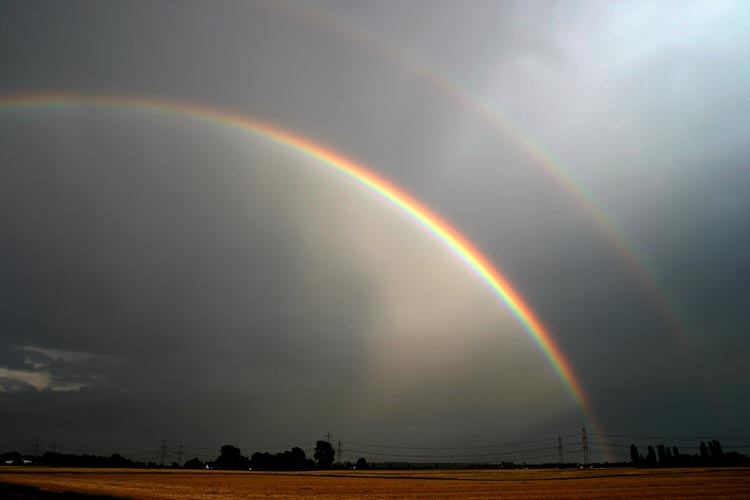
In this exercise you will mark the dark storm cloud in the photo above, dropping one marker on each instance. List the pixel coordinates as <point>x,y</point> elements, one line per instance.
<point>121,221</point>
<point>205,272</point>
<point>169,274</point>
<point>158,270</point>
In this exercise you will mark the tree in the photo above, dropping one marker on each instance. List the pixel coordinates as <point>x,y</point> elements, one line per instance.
<point>362,464</point>
<point>231,458</point>
<point>262,461</point>
<point>634,456</point>
<point>661,451</point>
<point>194,463</point>
<point>293,459</point>
<point>651,457</point>
<point>717,453</point>
<point>324,454</point>
<point>705,455</point>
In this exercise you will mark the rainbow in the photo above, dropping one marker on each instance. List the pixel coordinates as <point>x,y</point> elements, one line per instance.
<point>361,176</point>
<point>635,261</point>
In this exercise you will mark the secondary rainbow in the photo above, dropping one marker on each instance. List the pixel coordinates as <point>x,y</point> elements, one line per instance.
<point>635,261</point>
<point>361,176</point>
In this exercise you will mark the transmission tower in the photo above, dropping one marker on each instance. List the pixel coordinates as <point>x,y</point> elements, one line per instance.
<point>585,445</point>
<point>339,453</point>
<point>162,450</point>
<point>35,453</point>
<point>179,455</point>
<point>328,436</point>
<point>559,449</point>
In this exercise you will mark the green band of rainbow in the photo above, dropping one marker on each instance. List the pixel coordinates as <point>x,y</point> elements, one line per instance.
<point>364,177</point>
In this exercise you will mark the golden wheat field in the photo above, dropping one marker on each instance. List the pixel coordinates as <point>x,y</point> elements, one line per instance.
<point>599,484</point>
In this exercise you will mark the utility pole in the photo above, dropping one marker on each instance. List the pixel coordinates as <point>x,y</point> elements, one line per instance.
<point>162,450</point>
<point>559,449</point>
<point>179,455</point>
<point>585,446</point>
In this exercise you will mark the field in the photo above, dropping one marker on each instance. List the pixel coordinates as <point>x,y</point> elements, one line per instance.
<point>601,484</point>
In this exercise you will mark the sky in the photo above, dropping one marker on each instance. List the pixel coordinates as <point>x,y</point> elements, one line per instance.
<point>164,275</point>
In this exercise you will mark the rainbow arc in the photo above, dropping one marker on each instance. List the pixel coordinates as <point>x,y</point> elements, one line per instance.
<point>364,177</point>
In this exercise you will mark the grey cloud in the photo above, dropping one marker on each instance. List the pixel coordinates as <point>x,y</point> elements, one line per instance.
<point>201,273</point>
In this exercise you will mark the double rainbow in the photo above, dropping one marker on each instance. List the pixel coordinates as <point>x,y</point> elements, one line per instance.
<point>360,175</point>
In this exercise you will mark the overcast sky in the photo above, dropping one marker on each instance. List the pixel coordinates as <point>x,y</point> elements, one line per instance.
<point>163,276</point>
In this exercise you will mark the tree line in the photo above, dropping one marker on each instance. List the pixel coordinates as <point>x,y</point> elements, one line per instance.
<point>230,458</point>
<point>53,459</point>
<point>710,454</point>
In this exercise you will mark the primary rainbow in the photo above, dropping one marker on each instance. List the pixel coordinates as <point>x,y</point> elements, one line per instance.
<point>363,177</point>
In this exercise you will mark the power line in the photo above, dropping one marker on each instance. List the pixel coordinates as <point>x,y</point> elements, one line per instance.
<point>456,459</point>
<point>199,448</point>
<point>457,454</point>
<point>571,447</point>
<point>697,437</point>
<point>469,447</point>
<point>302,444</point>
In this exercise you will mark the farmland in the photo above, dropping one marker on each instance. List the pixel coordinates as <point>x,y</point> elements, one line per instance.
<point>403,485</point>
